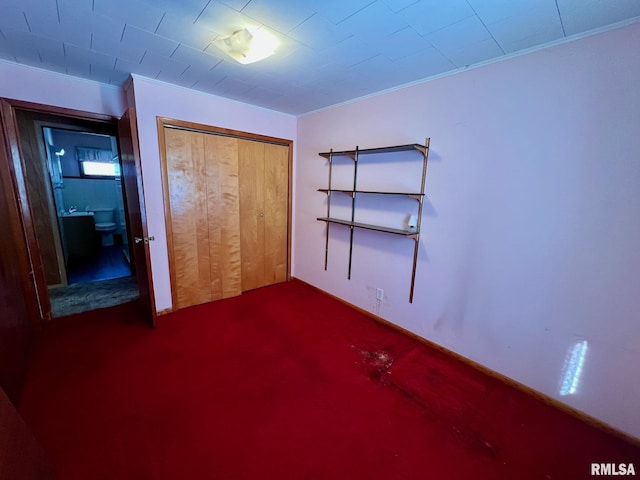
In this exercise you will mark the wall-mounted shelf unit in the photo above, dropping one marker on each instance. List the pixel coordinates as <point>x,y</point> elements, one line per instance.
<point>412,232</point>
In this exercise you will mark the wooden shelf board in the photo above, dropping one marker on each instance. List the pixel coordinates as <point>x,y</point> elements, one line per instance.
<point>365,151</point>
<point>372,192</point>
<point>366,226</point>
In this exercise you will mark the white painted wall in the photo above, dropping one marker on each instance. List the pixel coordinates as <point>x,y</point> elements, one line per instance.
<point>156,99</point>
<point>531,230</point>
<point>30,84</point>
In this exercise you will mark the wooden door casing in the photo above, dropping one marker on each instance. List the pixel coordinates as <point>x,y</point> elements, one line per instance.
<point>136,212</point>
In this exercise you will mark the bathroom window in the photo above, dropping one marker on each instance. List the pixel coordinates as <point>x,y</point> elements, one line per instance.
<point>98,169</point>
<point>95,162</point>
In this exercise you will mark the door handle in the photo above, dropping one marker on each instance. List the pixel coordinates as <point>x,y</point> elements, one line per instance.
<point>145,239</point>
<point>262,214</point>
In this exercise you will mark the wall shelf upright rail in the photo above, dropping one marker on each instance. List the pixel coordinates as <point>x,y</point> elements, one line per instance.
<point>412,233</point>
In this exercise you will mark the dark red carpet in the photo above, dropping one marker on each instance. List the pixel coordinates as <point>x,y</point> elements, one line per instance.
<point>285,383</point>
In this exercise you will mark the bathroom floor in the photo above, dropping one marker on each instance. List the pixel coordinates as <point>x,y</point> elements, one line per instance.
<point>102,281</point>
<point>110,262</point>
<point>83,297</point>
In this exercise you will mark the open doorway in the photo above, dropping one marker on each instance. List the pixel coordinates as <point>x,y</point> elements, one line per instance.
<point>88,199</point>
<point>78,206</point>
<point>28,188</point>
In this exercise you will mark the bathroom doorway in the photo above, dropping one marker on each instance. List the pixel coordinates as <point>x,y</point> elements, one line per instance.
<point>78,206</point>
<point>29,191</point>
<point>88,198</point>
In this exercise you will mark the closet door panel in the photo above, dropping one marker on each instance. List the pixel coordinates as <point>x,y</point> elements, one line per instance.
<point>221,159</point>
<point>276,206</point>
<point>187,181</point>
<point>252,215</point>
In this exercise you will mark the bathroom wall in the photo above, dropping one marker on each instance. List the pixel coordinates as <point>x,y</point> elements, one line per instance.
<point>84,193</point>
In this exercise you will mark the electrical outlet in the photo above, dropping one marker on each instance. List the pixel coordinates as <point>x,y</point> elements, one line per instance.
<point>380,294</point>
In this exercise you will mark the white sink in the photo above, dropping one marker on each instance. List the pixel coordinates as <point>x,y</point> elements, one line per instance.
<point>77,214</point>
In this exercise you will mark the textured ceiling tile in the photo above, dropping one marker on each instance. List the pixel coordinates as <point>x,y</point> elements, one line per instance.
<point>180,28</point>
<point>421,65</point>
<point>13,17</point>
<point>402,44</point>
<point>101,73</point>
<point>106,27</point>
<point>130,51</point>
<point>375,21</point>
<point>167,67</point>
<point>345,49</point>
<point>45,10</point>
<point>142,15</point>
<point>223,19</point>
<point>211,78</point>
<point>527,35</point>
<point>235,4</point>
<point>303,58</point>
<point>535,40</point>
<point>413,67</point>
<point>74,9</point>
<point>338,10</point>
<point>349,52</point>
<point>459,35</point>
<point>136,38</point>
<point>63,31</point>
<point>397,5</point>
<point>191,56</point>
<point>34,49</point>
<point>78,68</point>
<point>14,49</point>
<point>191,75</point>
<point>317,32</point>
<point>233,86</point>
<point>53,66</point>
<point>580,16</point>
<point>281,15</point>
<point>427,16</point>
<point>82,55</point>
<point>491,11</point>
<point>137,68</point>
<point>473,53</point>
<point>511,22</point>
<point>262,95</point>
<point>190,8</point>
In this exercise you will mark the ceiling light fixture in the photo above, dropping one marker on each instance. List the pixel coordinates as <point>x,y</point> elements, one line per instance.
<point>248,45</point>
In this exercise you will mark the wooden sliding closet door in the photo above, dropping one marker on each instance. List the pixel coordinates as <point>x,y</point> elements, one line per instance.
<point>264,204</point>
<point>202,177</point>
<point>223,211</point>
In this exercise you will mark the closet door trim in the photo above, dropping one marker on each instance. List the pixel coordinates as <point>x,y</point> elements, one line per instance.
<point>165,122</point>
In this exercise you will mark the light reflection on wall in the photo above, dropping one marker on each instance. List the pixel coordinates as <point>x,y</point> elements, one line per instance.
<point>573,368</point>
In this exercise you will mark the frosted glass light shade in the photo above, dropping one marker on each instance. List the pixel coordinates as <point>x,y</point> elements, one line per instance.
<point>248,45</point>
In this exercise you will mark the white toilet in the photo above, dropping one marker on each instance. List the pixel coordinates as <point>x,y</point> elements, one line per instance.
<point>105,225</point>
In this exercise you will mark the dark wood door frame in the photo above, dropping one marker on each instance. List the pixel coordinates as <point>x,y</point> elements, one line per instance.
<point>33,276</point>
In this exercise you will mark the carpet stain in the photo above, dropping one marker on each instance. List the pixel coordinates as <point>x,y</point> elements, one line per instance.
<point>376,362</point>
